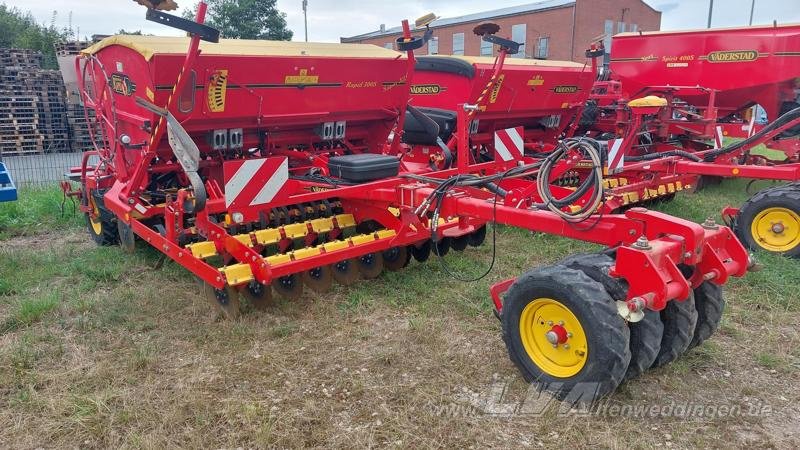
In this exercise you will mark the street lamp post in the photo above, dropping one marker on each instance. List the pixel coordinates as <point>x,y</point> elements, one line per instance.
<point>305,17</point>
<point>752,9</point>
<point>710,12</point>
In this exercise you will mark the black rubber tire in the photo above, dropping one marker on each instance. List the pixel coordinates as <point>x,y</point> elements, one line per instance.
<point>607,334</point>
<point>646,334</point>
<point>646,337</point>
<point>108,234</point>
<point>680,320</point>
<point>709,302</point>
<point>787,196</point>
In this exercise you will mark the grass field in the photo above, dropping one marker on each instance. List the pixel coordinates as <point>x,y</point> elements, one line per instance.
<point>99,350</point>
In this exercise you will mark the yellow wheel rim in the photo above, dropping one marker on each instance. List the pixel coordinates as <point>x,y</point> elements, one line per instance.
<point>776,229</point>
<point>97,226</point>
<point>541,321</point>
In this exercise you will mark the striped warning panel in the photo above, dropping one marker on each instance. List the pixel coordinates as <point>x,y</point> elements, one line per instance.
<point>254,182</point>
<point>509,144</point>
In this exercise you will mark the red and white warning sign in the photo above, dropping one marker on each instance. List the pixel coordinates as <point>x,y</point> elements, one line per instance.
<point>616,157</point>
<point>508,144</point>
<point>254,182</point>
<point>719,137</point>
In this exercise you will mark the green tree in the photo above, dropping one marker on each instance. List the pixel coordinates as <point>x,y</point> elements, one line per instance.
<point>20,30</point>
<point>246,19</point>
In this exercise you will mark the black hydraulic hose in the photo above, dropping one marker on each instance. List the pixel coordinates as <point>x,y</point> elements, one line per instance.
<point>652,156</point>
<point>788,117</point>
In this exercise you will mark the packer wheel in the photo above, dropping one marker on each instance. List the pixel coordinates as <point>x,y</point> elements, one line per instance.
<point>680,320</point>
<point>259,295</point>
<point>770,221</point>
<point>710,304</point>
<point>645,335</point>
<point>442,247</point>
<point>563,332</point>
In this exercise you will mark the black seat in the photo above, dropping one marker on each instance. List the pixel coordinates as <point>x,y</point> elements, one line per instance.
<point>414,132</point>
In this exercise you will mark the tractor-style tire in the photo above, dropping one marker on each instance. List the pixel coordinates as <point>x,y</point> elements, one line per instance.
<point>710,304</point>
<point>103,228</point>
<point>646,334</point>
<point>567,303</point>
<point>770,221</point>
<point>646,337</point>
<point>680,320</point>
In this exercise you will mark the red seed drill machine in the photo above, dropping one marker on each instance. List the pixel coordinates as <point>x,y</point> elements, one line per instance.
<point>268,166</point>
<point>672,97</point>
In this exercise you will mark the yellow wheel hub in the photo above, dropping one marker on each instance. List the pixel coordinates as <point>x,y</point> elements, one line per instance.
<point>94,218</point>
<point>553,338</point>
<point>776,229</point>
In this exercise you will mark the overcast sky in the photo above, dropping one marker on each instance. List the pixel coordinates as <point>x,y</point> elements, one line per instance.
<point>330,19</point>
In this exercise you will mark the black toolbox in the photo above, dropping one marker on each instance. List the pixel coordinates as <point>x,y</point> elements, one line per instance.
<point>364,167</point>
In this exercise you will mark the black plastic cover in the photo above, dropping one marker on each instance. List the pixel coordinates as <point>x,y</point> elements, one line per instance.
<point>445,64</point>
<point>364,167</point>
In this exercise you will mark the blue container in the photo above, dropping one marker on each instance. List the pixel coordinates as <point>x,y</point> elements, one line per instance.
<point>8,192</point>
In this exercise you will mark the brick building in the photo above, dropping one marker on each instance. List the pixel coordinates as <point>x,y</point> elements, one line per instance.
<point>552,29</point>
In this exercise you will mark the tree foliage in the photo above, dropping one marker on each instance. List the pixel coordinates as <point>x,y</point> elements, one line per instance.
<point>246,19</point>
<point>20,30</point>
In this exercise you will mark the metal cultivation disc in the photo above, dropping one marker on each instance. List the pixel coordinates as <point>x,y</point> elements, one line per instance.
<point>259,295</point>
<point>477,237</point>
<point>396,258</point>
<point>460,243</point>
<point>319,279</point>
<point>443,246</point>
<point>345,272</point>
<point>421,253</point>
<point>127,240</point>
<point>226,300</point>
<point>289,287</point>
<point>370,265</point>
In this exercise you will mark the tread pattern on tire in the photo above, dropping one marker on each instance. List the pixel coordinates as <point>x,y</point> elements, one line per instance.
<point>645,335</point>
<point>710,304</point>
<point>613,331</point>
<point>773,196</point>
<point>679,319</point>
<point>108,222</point>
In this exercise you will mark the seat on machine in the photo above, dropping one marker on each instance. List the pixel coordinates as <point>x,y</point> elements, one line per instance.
<point>414,132</point>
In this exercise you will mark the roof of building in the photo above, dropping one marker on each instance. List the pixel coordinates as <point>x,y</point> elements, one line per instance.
<point>148,46</point>
<point>493,14</point>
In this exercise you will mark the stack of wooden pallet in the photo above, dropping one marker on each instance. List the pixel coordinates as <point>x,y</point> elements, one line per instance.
<point>78,125</point>
<point>19,110</point>
<point>33,116</point>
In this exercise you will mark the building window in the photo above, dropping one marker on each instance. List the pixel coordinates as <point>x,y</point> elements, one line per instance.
<point>518,34</point>
<point>433,46</point>
<point>620,27</point>
<point>634,28</point>
<point>389,45</point>
<point>458,43</point>
<point>487,48</point>
<point>543,48</point>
